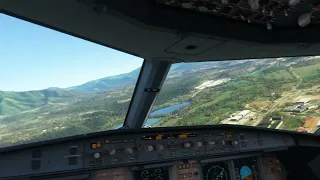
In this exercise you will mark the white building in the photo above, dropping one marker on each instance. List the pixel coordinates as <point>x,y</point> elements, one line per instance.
<point>244,113</point>
<point>303,101</point>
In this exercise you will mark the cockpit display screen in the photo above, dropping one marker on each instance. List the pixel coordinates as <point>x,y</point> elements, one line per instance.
<point>216,171</point>
<point>247,169</point>
<point>159,173</point>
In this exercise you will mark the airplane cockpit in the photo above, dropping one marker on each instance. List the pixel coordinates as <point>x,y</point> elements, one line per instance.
<point>204,90</point>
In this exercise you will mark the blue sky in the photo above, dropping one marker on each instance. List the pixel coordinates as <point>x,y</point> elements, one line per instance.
<point>34,57</point>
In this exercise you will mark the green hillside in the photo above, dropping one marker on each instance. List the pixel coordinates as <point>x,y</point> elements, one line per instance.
<point>309,71</point>
<point>60,113</point>
<point>16,102</point>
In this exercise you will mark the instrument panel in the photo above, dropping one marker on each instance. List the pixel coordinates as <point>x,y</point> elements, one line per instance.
<point>187,155</point>
<point>170,146</point>
<point>241,168</point>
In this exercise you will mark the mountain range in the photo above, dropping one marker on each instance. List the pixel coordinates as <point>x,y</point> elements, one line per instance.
<point>100,104</point>
<point>16,102</point>
<point>57,112</point>
<point>106,83</point>
<point>122,80</point>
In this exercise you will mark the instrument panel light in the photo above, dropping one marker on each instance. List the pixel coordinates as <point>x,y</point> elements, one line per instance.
<point>96,145</point>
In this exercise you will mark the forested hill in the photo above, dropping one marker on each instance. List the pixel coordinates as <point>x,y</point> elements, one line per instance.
<point>16,102</point>
<point>107,83</point>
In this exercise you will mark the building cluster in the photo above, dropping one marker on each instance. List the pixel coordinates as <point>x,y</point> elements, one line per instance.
<point>299,107</point>
<point>240,118</point>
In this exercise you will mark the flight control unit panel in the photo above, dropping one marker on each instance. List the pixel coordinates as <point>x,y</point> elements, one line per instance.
<point>187,155</point>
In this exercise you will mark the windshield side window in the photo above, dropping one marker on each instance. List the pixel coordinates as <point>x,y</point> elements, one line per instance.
<point>279,93</point>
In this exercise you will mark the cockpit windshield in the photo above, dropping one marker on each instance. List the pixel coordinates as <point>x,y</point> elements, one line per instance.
<point>53,85</point>
<point>278,93</point>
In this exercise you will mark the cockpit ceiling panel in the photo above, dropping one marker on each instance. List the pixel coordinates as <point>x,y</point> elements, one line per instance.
<point>193,45</point>
<point>149,30</point>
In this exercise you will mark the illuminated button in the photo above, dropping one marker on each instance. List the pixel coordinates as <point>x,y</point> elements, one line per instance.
<point>150,148</point>
<point>96,155</point>
<point>186,145</point>
<point>112,152</point>
<point>199,143</point>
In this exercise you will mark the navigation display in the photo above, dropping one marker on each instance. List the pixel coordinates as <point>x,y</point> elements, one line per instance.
<point>160,173</point>
<point>216,171</point>
<point>247,169</point>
